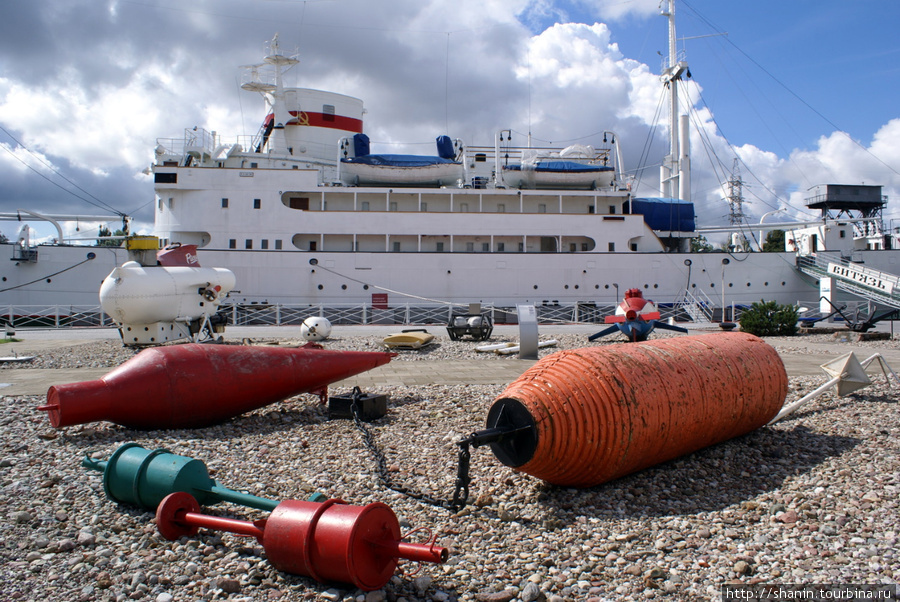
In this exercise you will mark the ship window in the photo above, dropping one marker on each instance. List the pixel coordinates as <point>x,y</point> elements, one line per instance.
<point>257,203</point>
<point>297,202</point>
<point>521,247</point>
<point>365,205</point>
<point>264,243</point>
<point>254,165</point>
<point>590,208</point>
<point>171,203</point>
<point>440,247</point>
<point>159,204</point>
<point>396,247</point>
<point>584,246</point>
<point>393,206</point>
<point>165,178</point>
<point>480,157</point>
<point>572,247</point>
<point>224,203</point>
<point>248,244</point>
<point>232,243</point>
<point>470,247</point>
<point>328,112</point>
<point>634,246</point>
<point>486,247</point>
<point>843,234</point>
<point>424,207</point>
<point>312,245</point>
<point>278,244</point>
<point>542,208</point>
<point>612,247</point>
<point>501,208</point>
<point>501,247</point>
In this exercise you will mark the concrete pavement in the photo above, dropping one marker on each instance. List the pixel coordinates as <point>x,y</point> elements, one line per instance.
<point>29,381</point>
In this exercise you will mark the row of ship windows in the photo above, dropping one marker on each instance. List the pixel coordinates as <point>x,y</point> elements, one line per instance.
<point>263,244</point>
<point>396,248</point>
<point>303,204</point>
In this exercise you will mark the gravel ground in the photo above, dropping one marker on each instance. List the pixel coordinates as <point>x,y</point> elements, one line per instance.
<point>810,500</point>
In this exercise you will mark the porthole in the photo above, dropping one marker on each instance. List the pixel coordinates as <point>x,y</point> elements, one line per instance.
<point>535,287</point>
<point>606,287</point>
<point>765,284</point>
<point>49,281</point>
<point>730,284</point>
<point>320,287</point>
<point>566,287</point>
<point>365,287</point>
<point>343,287</point>
<point>655,286</point>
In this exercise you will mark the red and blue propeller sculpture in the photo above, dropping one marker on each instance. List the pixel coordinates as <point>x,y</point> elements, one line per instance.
<point>636,318</point>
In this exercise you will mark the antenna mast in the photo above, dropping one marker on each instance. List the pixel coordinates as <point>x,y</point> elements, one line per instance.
<point>675,173</point>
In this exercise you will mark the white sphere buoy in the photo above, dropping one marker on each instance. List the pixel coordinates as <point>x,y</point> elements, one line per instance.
<point>315,328</point>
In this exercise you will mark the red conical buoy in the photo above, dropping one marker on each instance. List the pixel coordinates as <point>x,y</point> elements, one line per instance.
<point>194,385</point>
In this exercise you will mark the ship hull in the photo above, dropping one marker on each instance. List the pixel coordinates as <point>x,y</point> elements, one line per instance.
<point>397,279</point>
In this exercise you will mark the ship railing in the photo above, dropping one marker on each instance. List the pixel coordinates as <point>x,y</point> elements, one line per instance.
<point>275,314</point>
<point>696,304</point>
<point>55,316</point>
<point>405,313</point>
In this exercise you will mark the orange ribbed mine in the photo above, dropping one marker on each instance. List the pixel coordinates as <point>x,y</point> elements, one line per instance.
<point>600,413</point>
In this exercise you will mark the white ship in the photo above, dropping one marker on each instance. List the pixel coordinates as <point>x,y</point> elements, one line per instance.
<point>306,216</point>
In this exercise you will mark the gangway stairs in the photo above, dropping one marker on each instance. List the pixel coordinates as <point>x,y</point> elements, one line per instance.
<point>697,305</point>
<point>881,288</point>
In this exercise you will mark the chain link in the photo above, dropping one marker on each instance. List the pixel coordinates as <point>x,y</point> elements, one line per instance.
<point>460,494</point>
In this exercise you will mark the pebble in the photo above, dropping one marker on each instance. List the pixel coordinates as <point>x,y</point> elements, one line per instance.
<point>813,498</point>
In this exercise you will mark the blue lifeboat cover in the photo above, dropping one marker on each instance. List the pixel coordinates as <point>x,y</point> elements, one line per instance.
<point>563,167</point>
<point>445,147</point>
<point>673,215</point>
<point>360,145</point>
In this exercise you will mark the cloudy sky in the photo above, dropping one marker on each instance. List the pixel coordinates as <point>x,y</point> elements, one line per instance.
<point>802,92</point>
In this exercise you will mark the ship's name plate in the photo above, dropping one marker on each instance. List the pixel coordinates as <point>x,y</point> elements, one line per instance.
<point>868,278</point>
<point>246,174</point>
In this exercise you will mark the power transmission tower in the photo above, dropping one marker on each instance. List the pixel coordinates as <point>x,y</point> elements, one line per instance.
<point>735,196</point>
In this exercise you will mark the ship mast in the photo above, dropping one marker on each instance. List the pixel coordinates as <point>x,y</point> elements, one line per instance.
<point>675,173</point>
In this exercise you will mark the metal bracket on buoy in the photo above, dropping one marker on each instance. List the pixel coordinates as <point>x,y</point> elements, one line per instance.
<point>496,434</point>
<point>503,430</point>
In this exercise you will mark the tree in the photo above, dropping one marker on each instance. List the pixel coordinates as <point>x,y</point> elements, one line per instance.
<point>699,244</point>
<point>768,318</point>
<point>105,242</point>
<point>774,242</point>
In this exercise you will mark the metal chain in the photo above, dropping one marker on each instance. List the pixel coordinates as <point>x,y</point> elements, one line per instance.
<point>460,494</point>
